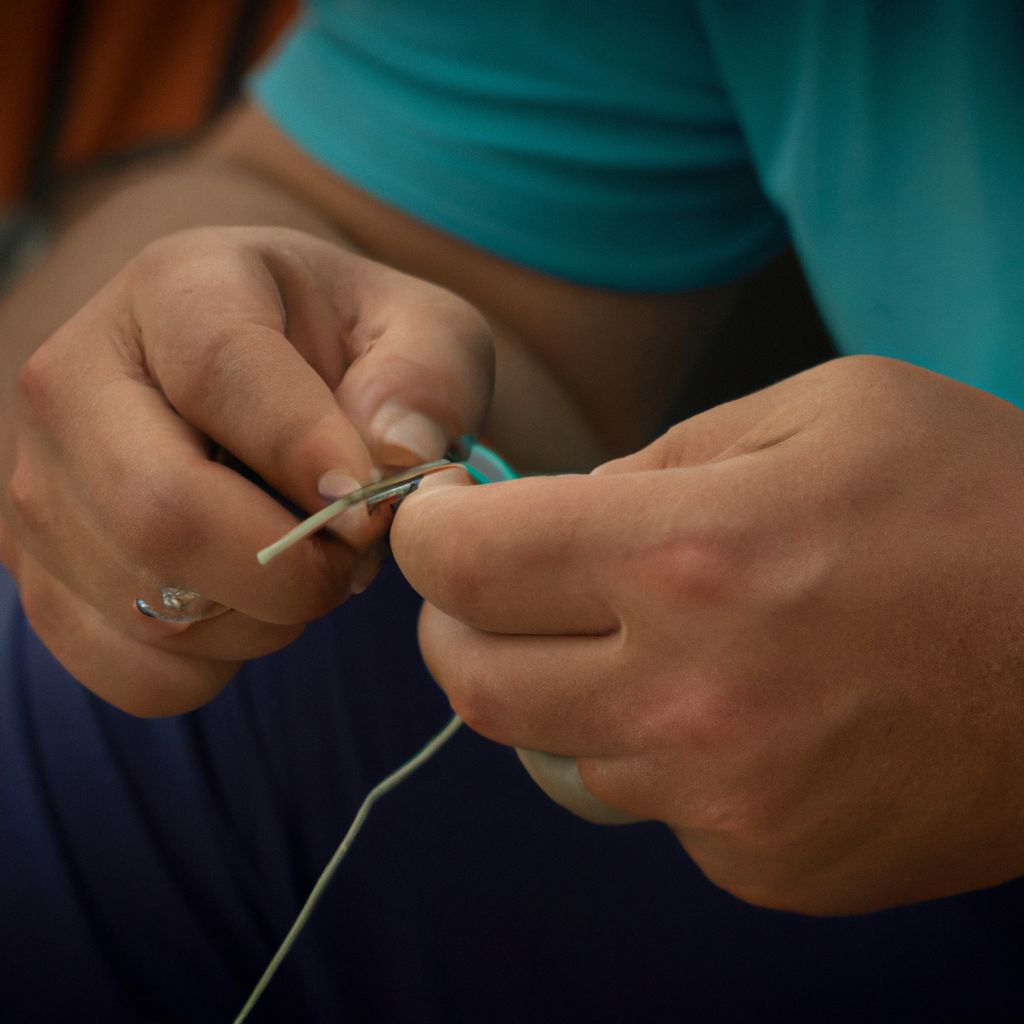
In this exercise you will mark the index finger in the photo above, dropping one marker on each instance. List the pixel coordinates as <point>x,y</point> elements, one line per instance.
<point>213,338</point>
<point>179,519</point>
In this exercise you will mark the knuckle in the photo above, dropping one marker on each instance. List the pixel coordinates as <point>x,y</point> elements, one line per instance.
<point>37,382</point>
<point>750,887</point>
<point>156,259</point>
<point>26,497</point>
<point>674,447</point>
<point>166,255</point>
<point>869,366</point>
<point>871,377</point>
<point>221,354</point>
<point>713,716</point>
<point>296,449</point>
<point>694,570</point>
<point>476,703</point>
<point>472,324</point>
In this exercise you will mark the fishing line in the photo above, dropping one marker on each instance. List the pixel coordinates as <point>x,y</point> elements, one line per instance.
<point>385,786</point>
<point>484,466</point>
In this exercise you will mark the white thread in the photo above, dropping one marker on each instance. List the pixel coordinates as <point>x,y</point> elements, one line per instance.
<point>385,786</point>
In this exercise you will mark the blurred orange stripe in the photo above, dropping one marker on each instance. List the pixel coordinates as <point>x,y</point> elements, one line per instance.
<point>142,72</point>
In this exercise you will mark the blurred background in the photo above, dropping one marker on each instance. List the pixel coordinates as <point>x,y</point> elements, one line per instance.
<point>92,88</point>
<point>92,91</point>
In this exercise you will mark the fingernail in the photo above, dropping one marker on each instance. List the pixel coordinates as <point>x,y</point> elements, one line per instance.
<point>405,437</point>
<point>351,524</point>
<point>334,484</point>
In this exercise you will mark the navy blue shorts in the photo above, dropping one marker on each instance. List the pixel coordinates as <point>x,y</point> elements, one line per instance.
<point>149,869</point>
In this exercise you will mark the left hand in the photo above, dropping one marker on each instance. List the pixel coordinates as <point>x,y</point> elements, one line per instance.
<point>311,365</point>
<point>791,628</point>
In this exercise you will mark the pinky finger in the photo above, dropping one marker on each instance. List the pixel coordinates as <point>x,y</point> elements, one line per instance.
<point>135,677</point>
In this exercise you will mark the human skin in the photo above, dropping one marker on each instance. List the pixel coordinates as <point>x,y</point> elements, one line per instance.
<point>789,628</point>
<point>298,358</point>
<point>138,349</point>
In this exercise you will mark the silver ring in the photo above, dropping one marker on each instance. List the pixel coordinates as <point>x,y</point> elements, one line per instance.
<point>179,605</point>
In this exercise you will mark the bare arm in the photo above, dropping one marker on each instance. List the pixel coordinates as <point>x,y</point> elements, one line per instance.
<point>192,192</point>
<point>599,368</point>
<point>135,345</point>
<point>583,373</point>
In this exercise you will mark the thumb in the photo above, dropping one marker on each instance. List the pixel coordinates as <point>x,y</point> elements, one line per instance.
<point>421,380</point>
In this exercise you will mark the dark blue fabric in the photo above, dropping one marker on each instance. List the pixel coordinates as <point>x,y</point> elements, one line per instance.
<point>150,868</point>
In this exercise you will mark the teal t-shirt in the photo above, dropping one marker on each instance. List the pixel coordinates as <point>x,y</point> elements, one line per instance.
<point>668,145</point>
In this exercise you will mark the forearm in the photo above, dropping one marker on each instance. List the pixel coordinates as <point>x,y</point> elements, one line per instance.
<point>205,189</point>
<point>584,373</point>
<point>196,191</point>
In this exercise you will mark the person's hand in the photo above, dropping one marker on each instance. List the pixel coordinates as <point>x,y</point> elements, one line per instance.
<point>313,367</point>
<point>791,628</point>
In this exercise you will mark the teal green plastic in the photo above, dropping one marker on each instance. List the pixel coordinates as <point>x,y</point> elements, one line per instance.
<point>673,144</point>
<point>486,466</point>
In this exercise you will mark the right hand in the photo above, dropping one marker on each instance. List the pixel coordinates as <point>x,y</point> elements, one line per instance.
<point>295,356</point>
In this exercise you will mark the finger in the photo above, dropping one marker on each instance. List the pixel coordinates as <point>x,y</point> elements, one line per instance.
<point>215,345</point>
<point>164,516</point>
<point>525,556</point>
<point>230,637</point>
<point>560,694</point>
<point>424,377</point>
<point>147,682</point>
<point>58,536</point>
<point>115,593</point>
<point>182,520</point>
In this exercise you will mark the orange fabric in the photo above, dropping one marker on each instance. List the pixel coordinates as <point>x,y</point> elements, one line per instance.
<point>27,31</point>
<point>140,72</point>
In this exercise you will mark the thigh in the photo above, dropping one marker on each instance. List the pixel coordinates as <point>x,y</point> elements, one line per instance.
<point>151,868</point>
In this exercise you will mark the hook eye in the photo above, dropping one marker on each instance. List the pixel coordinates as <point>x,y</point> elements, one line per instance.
<point>393,494</point>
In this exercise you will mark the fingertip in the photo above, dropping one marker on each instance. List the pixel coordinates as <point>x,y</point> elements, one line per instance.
<point>421,524</point>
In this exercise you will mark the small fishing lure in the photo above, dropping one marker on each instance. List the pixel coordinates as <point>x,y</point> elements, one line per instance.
<point>483,465</point>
